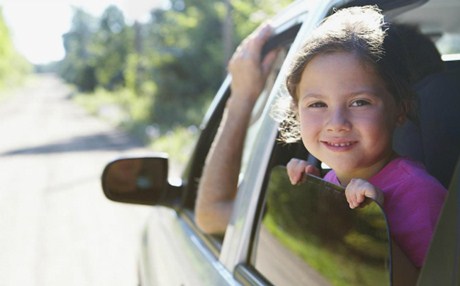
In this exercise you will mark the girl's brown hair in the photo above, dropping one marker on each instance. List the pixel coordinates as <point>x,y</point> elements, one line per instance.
<point>363,32</point>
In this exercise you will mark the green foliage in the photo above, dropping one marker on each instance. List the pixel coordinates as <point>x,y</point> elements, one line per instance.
<point>121,107</point>
<point>13,67</point>
<point>179,142</point>
<point>110,48</point>
<point>78,66</point>
<point>176,59</point>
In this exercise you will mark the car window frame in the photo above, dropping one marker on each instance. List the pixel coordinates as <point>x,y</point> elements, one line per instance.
<point>209,128</point>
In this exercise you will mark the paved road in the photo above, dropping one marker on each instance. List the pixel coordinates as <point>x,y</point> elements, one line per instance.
<point>56,227</point>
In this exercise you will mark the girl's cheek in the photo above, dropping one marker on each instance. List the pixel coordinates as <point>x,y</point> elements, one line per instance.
<point>311,119</point>
<point>303,121</point>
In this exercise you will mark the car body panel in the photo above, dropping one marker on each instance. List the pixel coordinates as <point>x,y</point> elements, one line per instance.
<point>180,255</point>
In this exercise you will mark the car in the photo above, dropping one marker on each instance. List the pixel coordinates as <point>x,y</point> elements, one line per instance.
<point>281,234</point>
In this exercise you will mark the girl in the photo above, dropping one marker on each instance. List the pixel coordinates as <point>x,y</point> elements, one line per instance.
<point>350,88</point>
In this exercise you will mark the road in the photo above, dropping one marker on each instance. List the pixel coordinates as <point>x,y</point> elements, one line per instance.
<point>56,226</point>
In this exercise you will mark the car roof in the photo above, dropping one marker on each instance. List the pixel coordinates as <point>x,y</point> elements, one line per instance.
<point>432,16</point>
<point>435,17</point>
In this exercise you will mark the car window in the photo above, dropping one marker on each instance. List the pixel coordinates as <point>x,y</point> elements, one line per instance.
<point>211,123</point>
<point>210,131</point>
<point>309,236</point>
<point>194,170</point>
<point>254,124</point>
<point>449,44</point>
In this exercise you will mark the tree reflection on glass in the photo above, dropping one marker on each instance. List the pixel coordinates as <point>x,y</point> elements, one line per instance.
<point>313,222</point>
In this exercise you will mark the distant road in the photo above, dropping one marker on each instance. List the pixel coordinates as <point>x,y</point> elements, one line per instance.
<point>56,226</point>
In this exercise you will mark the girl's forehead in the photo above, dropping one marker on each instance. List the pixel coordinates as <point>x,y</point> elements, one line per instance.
<point>340,72</point>
<point>340,66</point>
<point>352,57</point>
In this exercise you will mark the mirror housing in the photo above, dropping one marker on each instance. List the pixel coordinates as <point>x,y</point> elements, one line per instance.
<point>140,180</point>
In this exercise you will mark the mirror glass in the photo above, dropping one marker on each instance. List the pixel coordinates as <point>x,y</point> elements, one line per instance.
<point>141,180</point>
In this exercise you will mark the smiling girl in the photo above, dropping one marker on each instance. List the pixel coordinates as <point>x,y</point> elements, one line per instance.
<point>350,89</point>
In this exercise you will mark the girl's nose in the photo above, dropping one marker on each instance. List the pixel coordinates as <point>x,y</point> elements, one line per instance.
<point>338,120</point>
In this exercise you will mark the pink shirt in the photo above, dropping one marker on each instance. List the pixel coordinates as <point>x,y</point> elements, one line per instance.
<point>412,202</point>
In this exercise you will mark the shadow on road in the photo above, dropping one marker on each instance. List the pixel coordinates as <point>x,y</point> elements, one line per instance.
<point>107,141</point>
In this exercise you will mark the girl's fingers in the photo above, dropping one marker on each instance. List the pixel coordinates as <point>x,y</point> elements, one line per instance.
<point>310,169</point>
<point>358,190</point>
<point>295,169</point>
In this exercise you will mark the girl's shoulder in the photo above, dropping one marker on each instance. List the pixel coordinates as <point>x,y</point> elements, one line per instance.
<point>407,165</point>
<point>410,174</point>
<point>400,167</point>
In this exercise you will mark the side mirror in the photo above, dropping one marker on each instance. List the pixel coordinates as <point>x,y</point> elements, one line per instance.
<point>140,180</point>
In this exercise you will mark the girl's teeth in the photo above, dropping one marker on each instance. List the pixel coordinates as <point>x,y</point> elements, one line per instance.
<point>341,144</point>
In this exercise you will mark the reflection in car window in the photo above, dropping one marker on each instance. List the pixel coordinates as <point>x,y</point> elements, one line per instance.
<point>309,236</point>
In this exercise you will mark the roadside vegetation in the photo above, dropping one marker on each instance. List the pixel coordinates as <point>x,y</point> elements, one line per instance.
<point>13,67</point>
<point>154,78</point>
<point>157,78</point>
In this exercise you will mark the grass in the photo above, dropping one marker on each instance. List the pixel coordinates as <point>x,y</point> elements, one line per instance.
<point>129,112</point>
<point>178,143</point>
<point>13,88</point>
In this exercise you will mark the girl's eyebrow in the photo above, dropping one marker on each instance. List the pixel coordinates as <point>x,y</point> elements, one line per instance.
<point>372,93</point>
<point>373,90</point>
<point>311,95</point>
<point>319,96</point>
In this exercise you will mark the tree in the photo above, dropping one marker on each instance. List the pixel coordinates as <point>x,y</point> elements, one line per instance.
<point>111,44</point>
<point>77,66</point>
<point>186,55</point>
<point>177,59</point>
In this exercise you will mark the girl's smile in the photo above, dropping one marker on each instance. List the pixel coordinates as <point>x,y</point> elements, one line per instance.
<point>339,145</point>
<point>347,115</point>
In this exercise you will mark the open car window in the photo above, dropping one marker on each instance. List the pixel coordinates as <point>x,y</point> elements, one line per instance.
<point>308,235</point>
<point>213,118</point>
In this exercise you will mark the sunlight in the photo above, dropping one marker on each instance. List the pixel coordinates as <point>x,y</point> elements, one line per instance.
<point>37,27</point>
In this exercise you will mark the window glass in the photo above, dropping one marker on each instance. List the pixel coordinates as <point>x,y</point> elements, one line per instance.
<point>449,44</point>
<point>309,236</point>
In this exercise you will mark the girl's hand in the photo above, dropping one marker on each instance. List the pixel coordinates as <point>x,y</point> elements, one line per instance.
<point>357,190</point>
<point>297,167</point>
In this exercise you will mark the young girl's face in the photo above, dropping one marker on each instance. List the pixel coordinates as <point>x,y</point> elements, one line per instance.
<point>347,116</point>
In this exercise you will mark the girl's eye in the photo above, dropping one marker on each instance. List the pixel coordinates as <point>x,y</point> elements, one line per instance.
<point>317,105</point>
<point>359,102</point>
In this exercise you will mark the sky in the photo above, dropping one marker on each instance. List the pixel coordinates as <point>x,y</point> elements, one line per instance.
<point>37,26</point>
